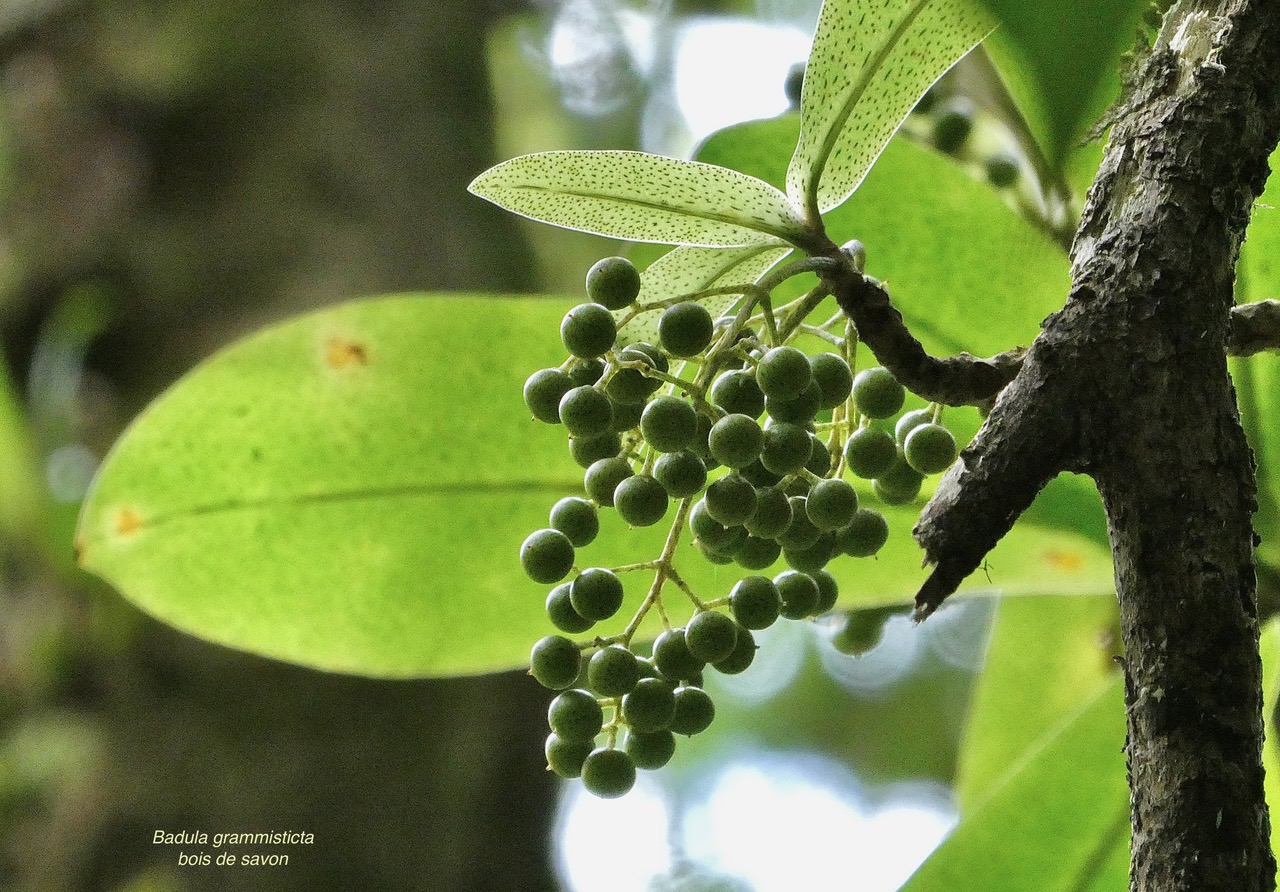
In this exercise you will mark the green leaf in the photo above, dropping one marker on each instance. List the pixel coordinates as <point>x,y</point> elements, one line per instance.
<point>1269,649</point>
<point>643,198</point>
<point>689,270</point>
<point>1060,60</point>
<point>966,271</point>
<point>1055,822</point>
<point>869,65</point>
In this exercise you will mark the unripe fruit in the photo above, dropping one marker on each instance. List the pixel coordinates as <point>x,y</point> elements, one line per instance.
<point>909,422</point>
<point>608,773</point>
<point>711,533</point>
<point>793,86</point>
<point>575,715</point>
<point>828,592</point>
<point>735,440</point>
<point>586,451</point>
<point>685,329</point>
<point>547,556</point>
<point>802,533</point>
<point>1002,170</point>
<point>899,485</point>
<point>833,377</point>
<point>738,394</point>
<point>543,392</point>
<point>710,636</point>
<point>694,711</point>
<point>952,124</point>
<point>669,424</point>
<point>602,479</point>
<point>633,385</point>
<point>865,534</point>
<point>799,593</point>
<point>682,474</point>
<point>819,461</point>
<point>561,613</point>
<point>755,602</point>
<point>741,657</point>
<point>930,448</point>
<point>555,662</point>
<point>876,393</point>
<point>785,448</point>
<point>586,371</point>
<point>613,282</point>
<point>577,519</point>
<point>565,757</point>
<point>756,553</point>
<point>731,500</point>
<point>651,751</point>
<point>640,501</point>
<point>586,412</point>
<point>596,594</point>
<point>626,416</point>
<point>815,557</point>
<point>783,373</point>
<point>773,514</point>
<point>588,331</point>
<point>831,504</point>
<point>870,452</point>
<point>612,671</point>
<point>800,409</point>
<point>650,706</point>
<point>671,656</point>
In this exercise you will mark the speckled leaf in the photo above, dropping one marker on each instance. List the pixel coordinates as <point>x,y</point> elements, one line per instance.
<point>642,197</point>
<point>686,270</point>
<point>871,61</point>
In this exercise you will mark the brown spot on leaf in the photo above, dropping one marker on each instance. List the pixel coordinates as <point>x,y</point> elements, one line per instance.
<point>341,353</point>
<point>1066,561</point>
<point>126,522</point>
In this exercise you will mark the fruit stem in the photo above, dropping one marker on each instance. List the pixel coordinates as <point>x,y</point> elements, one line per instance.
<point>664,568</point>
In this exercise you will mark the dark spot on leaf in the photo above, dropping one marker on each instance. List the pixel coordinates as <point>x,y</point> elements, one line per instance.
<point>341,354</point>
<point>126,522</point>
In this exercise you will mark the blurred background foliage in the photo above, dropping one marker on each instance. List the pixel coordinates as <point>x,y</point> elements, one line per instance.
<point>175,174</point>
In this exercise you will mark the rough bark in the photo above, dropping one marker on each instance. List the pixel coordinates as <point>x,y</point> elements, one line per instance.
<point>1129,384</point>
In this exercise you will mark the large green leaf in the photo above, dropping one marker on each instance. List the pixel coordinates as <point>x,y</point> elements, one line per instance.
<point>966,271</point>
<point>642,197</point>
<point>870,63</point>
<point>1060,60</point>
<point>1269,648</point>
<point>1058,821</point>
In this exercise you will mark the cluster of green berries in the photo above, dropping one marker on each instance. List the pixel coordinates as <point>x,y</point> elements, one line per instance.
<point>750,441</point>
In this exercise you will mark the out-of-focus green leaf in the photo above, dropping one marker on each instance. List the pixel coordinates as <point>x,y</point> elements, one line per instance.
<point>1055,822</point>
<point>1060,60</point>
<point>24,501</point>
<point>870,63</point>
<point>966,271</point>
<point>642,197</point>
<point>1269,647</point>
<point>686,270</point>
<point>1046,657</point>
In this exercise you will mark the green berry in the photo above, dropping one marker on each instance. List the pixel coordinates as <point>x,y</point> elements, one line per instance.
<point>813,558</point>
<point>543,392</point>
<point>738,394</point>
<point>720,559</point>
<point>577,519</point>
<point>819,457</point>
<point>555,662</point>
<point>876,393</point>
<point>755,602</point>
<point>650,706</point>
<point>863,629</point>
<point>870,452</point>
<point>828,592</point>
<point>699,445</point>
<point>682,474</point>
<point>899,485</point>
<point>799,592</point>
<point>613,282</point>
<point>608,773</point>
<point>801,409</point>
<point>802,533</point>
<point>613,671</point>
<point>783,373</point>
<point>833,377</point>
<point>685,329</point>
<point>547,556</point>
<point>759,476</point>
<point>952,124</point>
<point>865,534</point>
<point>596,594</point>
<point>671,656</point>
<point>773,514</point>
<point>694,711</point>
<point>785,448</point>
<point>756,553</point>
<point>793,86</point>
<point>930,448</point>
<point>735,440</point>
<point>710,636</point>
<point>565,757</point>
<point>586,412</point>
<point>909,422</point>
<point>831,504</point>
<point>626,416</point>
<point>586,451</point>
<point>561,613</point>
<point>669,424</point>
<point>640,500</point>
<point>588,331</point>
<point>632,385</point>
<point>741,657</point>
<point>575,715</point>
<point>602,479</point>
<point>731,500</point>
<point>586,371</point>
<point>1002,170</point>
<point>711,533</point>
<point>651,751</point>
